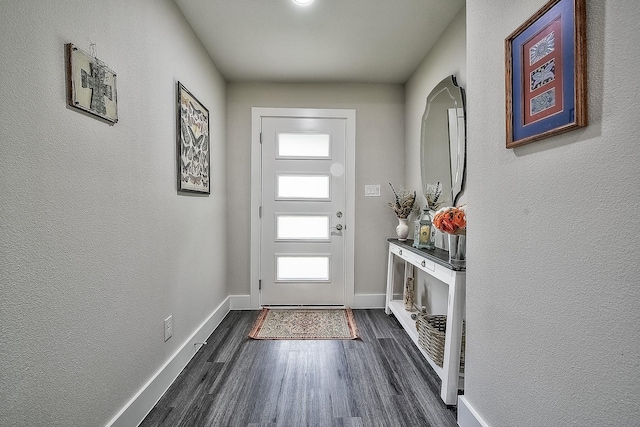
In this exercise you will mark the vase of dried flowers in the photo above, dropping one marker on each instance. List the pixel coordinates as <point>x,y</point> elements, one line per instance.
<point>403,206</point>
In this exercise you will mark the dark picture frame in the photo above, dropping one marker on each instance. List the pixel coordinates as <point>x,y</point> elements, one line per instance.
<point>193,143</point>
<point>91,84</point>
<point>546,73</point>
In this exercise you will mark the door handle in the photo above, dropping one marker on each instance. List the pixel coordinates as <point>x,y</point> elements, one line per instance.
<point>337,227</point>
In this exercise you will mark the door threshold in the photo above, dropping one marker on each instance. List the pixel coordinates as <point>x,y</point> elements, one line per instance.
<point>303,306</point>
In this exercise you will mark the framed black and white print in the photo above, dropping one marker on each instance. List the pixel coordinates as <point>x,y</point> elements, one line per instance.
<point>91,85</point>
<point>546,73</point>
<point>193,143</point>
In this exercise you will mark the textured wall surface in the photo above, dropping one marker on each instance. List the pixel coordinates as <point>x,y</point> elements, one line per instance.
<point>96,247</point>
<point>379,159</point>
<point>552,296</point>
<point>447,57</point>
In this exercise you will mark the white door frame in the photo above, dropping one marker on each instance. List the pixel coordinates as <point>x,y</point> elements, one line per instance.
<point>257,113</point>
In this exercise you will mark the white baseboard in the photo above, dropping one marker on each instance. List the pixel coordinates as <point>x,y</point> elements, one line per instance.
<point>467,416</point>
<point>243,302</point>
<point>369,301</point>
<point>240,302</point>
<point>146,398</point>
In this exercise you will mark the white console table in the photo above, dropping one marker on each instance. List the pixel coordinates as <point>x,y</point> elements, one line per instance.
<point>435,263</point>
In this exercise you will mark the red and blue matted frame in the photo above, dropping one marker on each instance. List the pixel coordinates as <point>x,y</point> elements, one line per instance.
<point>546,73</point>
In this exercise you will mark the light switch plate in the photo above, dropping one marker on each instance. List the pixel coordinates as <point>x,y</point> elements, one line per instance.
<point>372,190</point>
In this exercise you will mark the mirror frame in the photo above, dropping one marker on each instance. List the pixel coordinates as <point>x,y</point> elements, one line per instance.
<point>457,168</point>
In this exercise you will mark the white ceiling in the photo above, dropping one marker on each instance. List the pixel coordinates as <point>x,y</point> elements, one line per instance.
<point>373,41</point>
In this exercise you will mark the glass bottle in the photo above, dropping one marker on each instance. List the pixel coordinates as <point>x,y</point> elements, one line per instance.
<point>424,232</point>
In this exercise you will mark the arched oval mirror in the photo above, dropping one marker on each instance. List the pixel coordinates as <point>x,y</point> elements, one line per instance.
<point>443,140</point>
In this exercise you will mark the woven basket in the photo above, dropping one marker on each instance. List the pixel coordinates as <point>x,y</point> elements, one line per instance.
<point>431,330</point>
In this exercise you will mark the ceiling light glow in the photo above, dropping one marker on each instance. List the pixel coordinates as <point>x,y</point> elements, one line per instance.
<point>303,1</point>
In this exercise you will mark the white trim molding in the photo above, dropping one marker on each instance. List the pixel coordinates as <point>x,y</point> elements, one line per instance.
<point>467,416</point>
<point>360,301</point>
<point>135,411</point>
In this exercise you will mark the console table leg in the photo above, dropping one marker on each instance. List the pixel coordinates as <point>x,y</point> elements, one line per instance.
<point>390,278</point>
<point>452,345</point>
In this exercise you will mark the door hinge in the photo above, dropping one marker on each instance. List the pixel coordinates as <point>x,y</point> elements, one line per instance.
<point>260,284</point>
<point>260,212</point>
<point>260,137</point>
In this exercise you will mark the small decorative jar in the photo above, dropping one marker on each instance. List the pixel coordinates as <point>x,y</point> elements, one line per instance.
<point>424,231</point>
<point>409,294</point>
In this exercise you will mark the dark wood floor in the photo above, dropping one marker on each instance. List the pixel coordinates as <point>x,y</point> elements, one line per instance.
<point>377,380</point>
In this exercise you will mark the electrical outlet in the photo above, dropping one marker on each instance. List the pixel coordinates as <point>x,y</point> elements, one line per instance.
<point>168,327</point>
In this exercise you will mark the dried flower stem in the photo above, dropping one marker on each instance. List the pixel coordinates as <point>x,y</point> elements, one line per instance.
<point>404,202</point>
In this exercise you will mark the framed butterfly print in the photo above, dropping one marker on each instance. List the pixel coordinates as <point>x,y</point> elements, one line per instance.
<point>193,143</point>
<point>546,73</point>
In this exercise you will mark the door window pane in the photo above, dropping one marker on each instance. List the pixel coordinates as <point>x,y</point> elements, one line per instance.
<point>303,145</point>
<point>302,268</point>
<point>303,187</point>
<point>302,227</point>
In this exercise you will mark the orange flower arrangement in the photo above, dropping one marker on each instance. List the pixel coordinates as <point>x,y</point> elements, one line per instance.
<point>451,220</point>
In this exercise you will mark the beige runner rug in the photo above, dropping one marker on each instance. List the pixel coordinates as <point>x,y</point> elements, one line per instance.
<point>306,324</point>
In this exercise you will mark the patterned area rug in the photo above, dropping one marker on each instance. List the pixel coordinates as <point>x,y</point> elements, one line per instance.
<point>305,325</point>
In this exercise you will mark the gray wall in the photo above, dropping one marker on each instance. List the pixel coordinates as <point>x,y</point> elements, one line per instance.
<point>552,296</point>
<point>379,159</point>
<point>96,246</point>
<point>447,57</point>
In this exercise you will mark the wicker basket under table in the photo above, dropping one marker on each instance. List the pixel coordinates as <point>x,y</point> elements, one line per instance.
<point>431,332</point>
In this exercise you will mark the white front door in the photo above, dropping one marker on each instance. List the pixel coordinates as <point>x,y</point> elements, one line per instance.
<point>303,213</point>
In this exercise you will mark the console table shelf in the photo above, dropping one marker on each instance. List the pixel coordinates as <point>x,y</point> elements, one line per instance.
<point>409,325</point>
<point>435,263</point>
